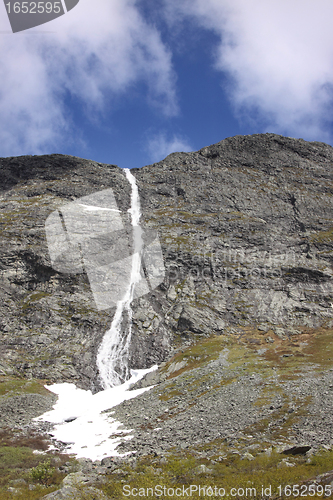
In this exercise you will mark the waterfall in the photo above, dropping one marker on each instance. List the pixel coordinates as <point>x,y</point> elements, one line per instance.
<point>113,353</point>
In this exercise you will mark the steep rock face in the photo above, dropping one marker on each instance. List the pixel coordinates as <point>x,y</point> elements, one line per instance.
<point>246,231</point>
<point>50,327</point>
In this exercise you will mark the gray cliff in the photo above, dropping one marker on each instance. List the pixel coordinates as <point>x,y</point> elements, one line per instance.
<point>246,231</point>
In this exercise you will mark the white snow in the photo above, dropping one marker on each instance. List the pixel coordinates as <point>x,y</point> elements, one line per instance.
<point>90,434</point>
<point>92,208</point>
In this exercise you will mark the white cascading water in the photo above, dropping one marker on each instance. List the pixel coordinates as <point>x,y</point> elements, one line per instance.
<point>113,353</point>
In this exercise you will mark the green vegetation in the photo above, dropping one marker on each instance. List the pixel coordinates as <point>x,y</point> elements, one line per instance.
<point>33,297</point>
<point>24,462</point>
<point>42,473</point>
<point>264,469</point>
<point>322,237</point>
<point>15,457</point>
<point>227,471</point>
<point>289,358</point>
<point>18,466</point>
<point>11,386</point>
<point>198,355</point>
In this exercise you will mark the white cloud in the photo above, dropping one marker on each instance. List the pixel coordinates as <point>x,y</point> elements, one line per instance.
<point>159,146</point>
<point>279,55</point>
<point>97,51</point>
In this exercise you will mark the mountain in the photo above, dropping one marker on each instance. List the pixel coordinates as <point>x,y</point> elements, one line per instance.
<point>50,327</point>
<point>246,230</point>
<point>245,227</point>
<point>240,324</point>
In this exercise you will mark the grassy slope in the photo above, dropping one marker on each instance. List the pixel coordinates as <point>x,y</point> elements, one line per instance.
<point>310,350</point>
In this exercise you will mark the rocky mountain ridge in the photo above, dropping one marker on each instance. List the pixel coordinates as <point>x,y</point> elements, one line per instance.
<point>246,232</point>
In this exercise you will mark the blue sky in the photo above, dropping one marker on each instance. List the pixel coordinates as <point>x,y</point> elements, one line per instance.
<point>128,82</point>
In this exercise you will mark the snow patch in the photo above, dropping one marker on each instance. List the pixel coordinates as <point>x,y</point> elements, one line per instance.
<point>80,422</point>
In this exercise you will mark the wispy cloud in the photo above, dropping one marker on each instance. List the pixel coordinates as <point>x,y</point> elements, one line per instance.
<point>99,50</point>
<point>278,56</point>
<point>160,145</point>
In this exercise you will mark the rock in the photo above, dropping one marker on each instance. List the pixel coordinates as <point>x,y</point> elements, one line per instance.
<point>65,493</point>
<point>20,410</point>
<point>172,294</point>
<point>120,472</point>
<point>50,326</point>
<point>292,331</point>
<point>109,462</point>
<point>152,378</point>
<point>175,367</point>
<point>200,321</point>
<point>203,469</point>
<point>85,465</point>
<point>244,243</point>
<point>285,463</point>
<point>297,450</point>
<point>19,482</point>
<point>70,493</point>
<point>280,332</point>
<point>101,471</point>
<point>264,328</point>
<point>75,478</point>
